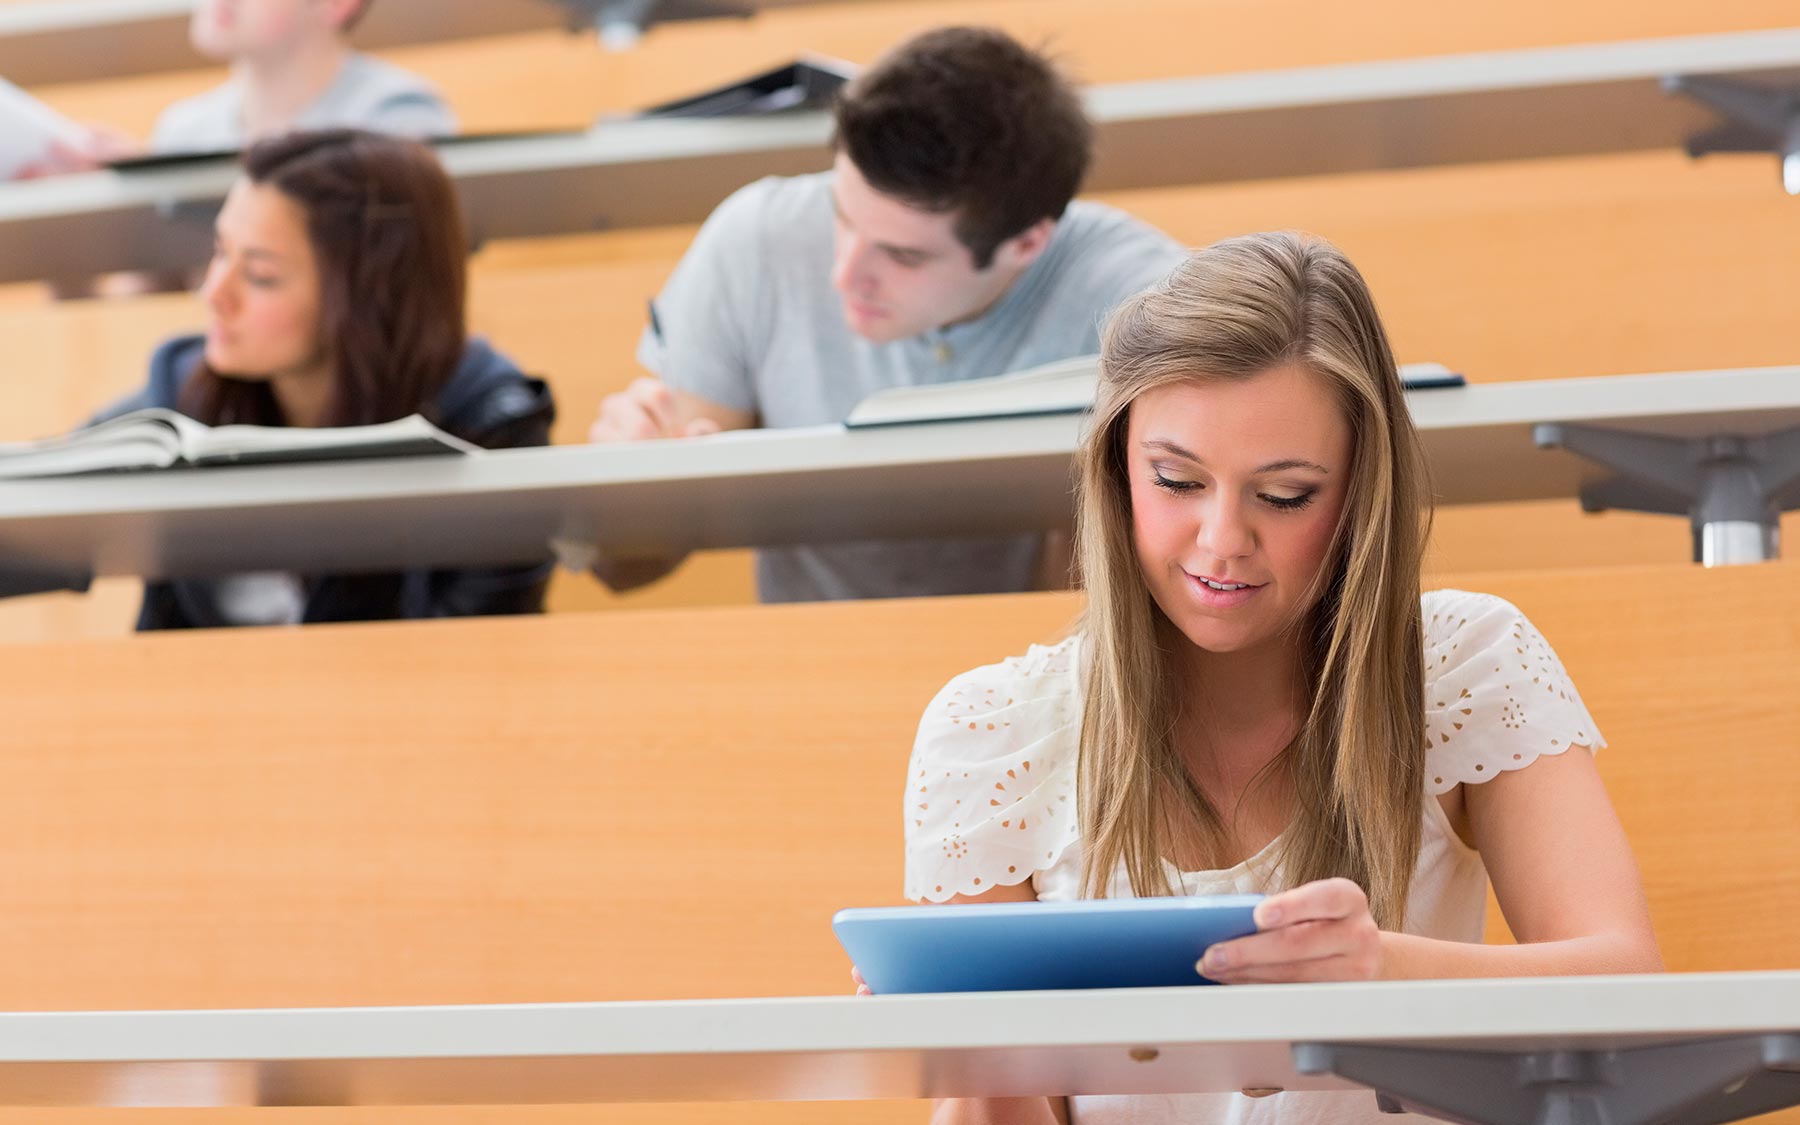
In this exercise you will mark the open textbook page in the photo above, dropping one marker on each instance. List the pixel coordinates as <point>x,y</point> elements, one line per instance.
<point>27,128</point>
<point>160,439</point>
<point>1064,387</point>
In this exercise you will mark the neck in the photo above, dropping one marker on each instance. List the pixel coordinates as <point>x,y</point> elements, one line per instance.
<point>279,87</point>
<point>304,396</point>
<point>1248,707</point>
<point>987,306</point>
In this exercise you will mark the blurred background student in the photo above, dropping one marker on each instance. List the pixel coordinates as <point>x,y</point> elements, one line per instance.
<point>292,67</point>
<point>335,297</point>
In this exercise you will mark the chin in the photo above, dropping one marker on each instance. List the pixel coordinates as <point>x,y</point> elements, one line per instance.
<point>1213,634</point>
<point>1209,636</point>
<point>231,367</point>
<point>212,45</point>
<point>879,331</point>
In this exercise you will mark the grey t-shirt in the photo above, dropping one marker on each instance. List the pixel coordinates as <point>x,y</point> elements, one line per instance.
<point>367,94</point>
<point>749,320</point>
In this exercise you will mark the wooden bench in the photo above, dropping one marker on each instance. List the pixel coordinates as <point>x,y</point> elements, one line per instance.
<point>672,803</point>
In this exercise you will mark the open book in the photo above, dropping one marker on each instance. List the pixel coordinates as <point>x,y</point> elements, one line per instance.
<point>27,127</point>
<point>1064,387</point>
<point>158,439</point>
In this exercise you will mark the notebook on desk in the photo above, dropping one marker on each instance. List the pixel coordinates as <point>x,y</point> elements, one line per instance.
<point>809,82</point>
<point>1064,387</point>
<point>1013,946</point>
<point>158,439</point>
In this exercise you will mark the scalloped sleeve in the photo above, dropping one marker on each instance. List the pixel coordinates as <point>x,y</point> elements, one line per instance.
<point>1496,696</point>
<point>990,795</point>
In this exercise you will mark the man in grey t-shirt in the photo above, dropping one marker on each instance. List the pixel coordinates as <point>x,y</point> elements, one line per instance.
<point>943,245</point>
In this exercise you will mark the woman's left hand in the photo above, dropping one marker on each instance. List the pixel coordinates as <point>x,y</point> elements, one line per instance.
<point>1320,931</point>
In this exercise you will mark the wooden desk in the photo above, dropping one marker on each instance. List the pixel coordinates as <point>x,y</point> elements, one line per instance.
<point>1669,1048</point>
<point>86,40</point>
<point>757,488</point>
<point>524,810</point>
<point>1546,102</point>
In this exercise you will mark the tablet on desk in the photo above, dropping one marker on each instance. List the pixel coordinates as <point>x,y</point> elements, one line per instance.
<point>1010,946</point>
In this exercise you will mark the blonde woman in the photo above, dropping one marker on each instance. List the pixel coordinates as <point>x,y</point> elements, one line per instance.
<point>1259,699</point>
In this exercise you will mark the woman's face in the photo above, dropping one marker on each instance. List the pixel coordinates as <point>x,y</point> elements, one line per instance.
<point>262,288</point>
<point>1236,489</point>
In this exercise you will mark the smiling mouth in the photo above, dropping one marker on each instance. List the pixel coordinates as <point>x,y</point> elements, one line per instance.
<point>1226,587</point>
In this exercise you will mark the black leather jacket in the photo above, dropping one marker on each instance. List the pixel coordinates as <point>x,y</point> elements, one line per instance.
<point>487,402</point>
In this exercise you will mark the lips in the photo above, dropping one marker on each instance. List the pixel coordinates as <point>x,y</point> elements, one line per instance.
<point>1217,593</point>
<point>1224,585</point>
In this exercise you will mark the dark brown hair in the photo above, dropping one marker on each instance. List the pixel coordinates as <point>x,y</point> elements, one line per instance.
<point>387,235</point>
<point>967,120</point>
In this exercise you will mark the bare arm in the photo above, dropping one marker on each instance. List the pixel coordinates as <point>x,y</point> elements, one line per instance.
<point>648,410</point>
<point>1562,870</point>
<point>1564,875</point>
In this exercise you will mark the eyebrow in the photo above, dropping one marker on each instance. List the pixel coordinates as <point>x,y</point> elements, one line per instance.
<point>1272,467</point>
<point>887,247</point>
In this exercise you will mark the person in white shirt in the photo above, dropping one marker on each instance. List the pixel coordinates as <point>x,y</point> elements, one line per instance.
<point>292,68</point>
<point>1259,699</point>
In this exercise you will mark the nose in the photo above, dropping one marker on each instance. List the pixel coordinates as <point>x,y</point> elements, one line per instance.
<point>1225,533</point>
<point>216,289</point>
<point>850,265</point>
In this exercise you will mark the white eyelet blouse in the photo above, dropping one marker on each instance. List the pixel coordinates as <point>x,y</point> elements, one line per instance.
<point>990,800</point>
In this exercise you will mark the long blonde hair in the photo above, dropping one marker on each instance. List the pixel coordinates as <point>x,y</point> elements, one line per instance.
<point>1232,311</point>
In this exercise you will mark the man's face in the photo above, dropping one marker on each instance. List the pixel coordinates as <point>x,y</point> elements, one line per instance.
<point>901,270</point>
<point>235,29</point>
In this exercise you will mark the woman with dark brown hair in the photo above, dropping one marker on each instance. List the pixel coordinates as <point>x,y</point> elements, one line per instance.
<point>335,298</point>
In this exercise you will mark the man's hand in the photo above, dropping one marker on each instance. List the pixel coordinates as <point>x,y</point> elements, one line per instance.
<point>645,411</point>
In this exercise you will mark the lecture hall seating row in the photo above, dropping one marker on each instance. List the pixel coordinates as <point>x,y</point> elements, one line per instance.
<point>1519,270</point>
<point>566,809</point>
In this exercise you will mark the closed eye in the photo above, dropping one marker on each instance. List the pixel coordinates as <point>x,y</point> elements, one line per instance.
<point>1187,487</point>
<point>1287,503</point>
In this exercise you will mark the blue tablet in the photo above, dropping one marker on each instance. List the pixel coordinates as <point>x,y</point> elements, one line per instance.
<point>1009,946</point>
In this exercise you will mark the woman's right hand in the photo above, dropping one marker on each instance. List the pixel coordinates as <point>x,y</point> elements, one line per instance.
<point>862,986</point>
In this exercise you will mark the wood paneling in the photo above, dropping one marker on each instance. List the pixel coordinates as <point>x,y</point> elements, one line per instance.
<point>1529,270</point>
<point>566,808</point>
